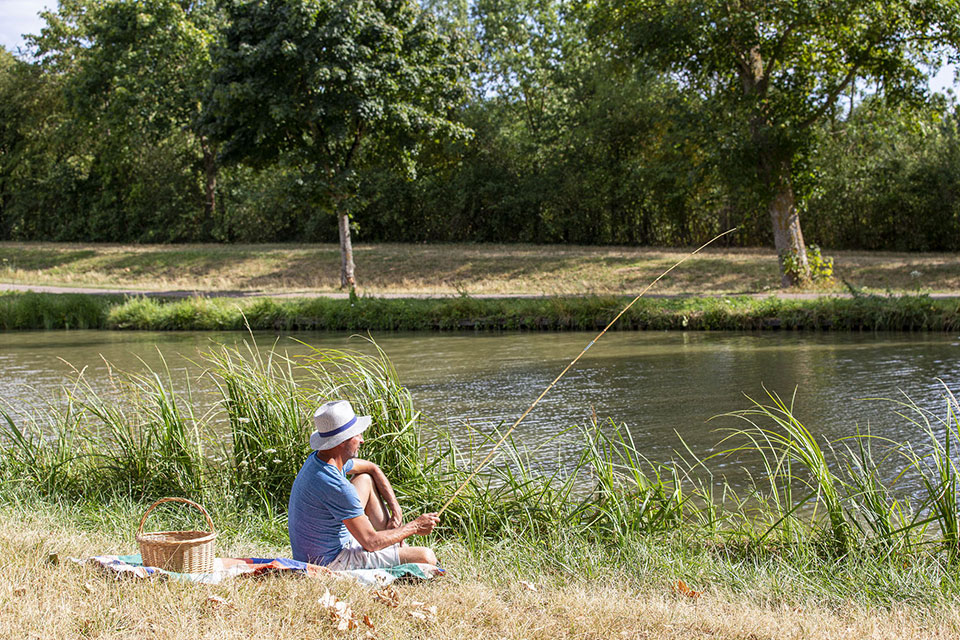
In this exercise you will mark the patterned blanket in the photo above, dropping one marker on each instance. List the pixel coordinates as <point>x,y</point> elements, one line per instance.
<point>132,567</point>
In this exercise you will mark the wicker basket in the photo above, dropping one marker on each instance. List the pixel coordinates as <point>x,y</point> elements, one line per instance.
<point>180,551</point>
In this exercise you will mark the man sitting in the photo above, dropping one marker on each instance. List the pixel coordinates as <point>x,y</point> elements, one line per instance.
<point>341,523</point>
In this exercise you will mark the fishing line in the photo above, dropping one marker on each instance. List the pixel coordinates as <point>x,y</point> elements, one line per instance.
<point>573,362</point>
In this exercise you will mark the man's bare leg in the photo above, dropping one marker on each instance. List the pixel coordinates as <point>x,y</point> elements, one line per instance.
<point>375,510</point>
<point>424,555</point>
<point>371,500</point>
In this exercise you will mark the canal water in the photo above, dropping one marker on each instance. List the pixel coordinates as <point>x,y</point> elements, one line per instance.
<point>663,386</point>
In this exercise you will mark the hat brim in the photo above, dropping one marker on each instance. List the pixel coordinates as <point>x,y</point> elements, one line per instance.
<point>319,443</point>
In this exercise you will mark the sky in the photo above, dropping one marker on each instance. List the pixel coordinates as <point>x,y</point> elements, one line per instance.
<point>20,16</point>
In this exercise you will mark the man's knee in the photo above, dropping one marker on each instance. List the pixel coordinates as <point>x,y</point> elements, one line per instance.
<point>362,481</point>
<point>423,555</point>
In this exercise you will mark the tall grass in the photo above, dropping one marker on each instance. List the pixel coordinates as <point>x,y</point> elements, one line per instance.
<point>48,311</point>
<point>373,385</point>
<point>937,468</point>
<point>267,415</point>
<point>792,446</point>
<point>865,313</point>
<point>810,498</point>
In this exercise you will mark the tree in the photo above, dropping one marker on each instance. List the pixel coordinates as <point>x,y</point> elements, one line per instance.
<point>332,83</point>
<point>772,70</point>
<point>140,71</point>
<point>131,75</point>
<point>37,145</point>
<point>887,178</point>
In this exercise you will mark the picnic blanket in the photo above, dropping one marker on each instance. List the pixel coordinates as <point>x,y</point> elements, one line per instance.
<point>131,566</point>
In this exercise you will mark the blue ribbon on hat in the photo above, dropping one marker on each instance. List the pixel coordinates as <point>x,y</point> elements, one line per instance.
<point>338,429</point>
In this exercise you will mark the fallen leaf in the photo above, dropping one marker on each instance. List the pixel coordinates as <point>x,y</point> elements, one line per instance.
<point>366,621</point>
<point>388,596</point>
<point>339,611</point>
<point>421,612</point>
<point>327,599</point>
<point>347,622</point>
<point>20,591</point>
<point>681,588</point>
<point>217,601</point>
<point>528,586</point>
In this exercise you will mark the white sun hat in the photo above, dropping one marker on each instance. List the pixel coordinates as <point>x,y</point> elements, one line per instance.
<point>336,422</point>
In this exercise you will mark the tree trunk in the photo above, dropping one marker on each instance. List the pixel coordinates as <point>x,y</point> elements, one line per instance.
<point>787,236</point>
<point>209,188</point>
<point>346,253</point>
<point>773,164</point>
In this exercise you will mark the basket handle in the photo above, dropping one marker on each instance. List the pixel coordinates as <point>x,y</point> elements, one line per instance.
<point>162,500</point>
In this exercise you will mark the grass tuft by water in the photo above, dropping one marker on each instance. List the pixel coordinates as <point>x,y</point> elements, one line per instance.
<point>22,311</point>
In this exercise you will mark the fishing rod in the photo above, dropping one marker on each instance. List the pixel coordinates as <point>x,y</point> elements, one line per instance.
<point>567,368</point>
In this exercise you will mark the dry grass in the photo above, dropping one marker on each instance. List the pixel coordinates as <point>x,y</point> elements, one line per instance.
<point>42,600</point>
<point>448,269</point>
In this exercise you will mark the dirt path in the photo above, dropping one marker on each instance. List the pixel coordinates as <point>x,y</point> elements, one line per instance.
<point>184,293</point>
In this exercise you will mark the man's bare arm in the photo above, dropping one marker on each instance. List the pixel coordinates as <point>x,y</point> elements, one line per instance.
<point>372,540</point>
<point>384,488</point>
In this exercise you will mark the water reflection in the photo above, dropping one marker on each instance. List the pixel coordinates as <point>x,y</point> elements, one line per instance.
<point>662,386</point>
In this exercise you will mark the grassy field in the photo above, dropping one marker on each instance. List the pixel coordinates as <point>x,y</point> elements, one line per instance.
<point>482,597</point>
<point>452,269</point>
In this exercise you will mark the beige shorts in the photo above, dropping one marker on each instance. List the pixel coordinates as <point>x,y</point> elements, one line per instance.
<point>353,556</point>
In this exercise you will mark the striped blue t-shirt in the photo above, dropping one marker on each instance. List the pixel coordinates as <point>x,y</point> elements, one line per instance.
<point>321,499</point>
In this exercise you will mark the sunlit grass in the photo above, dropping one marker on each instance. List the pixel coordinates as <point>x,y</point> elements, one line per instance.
<point>24,311</point>
<point>451,269</point>
<point>581,592</point>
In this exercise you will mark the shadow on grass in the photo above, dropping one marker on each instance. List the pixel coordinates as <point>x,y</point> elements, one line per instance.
<point>172,264</point>
<point>306,270</point>
<point>22,258</point>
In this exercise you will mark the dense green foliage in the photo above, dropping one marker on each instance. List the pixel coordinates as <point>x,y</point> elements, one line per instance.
<point>768,72</point>
<point>588,124</point>
<point>22,311</point>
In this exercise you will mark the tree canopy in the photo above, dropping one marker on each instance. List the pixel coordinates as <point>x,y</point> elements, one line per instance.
<point>326,81</point>
<point>773,70</point>
<point>548,121</point>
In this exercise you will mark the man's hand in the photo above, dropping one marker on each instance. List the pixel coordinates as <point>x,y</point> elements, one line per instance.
<point>396,517</point>
<point>424,524</point>
<point>372,540</point>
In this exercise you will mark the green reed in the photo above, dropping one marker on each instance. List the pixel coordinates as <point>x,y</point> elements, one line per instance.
<point>41,450</point>
<point>880,515</point>
<point>90,443</point>
<point>784,442</point>
<point>25,311</point>
<point>142,440</point>
<point>373,386</point>
<point>937,469</point>
<point>267,415</point>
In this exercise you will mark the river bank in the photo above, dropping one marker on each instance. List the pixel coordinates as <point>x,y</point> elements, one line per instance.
<point>812,550</point>
<point>26,311</point>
